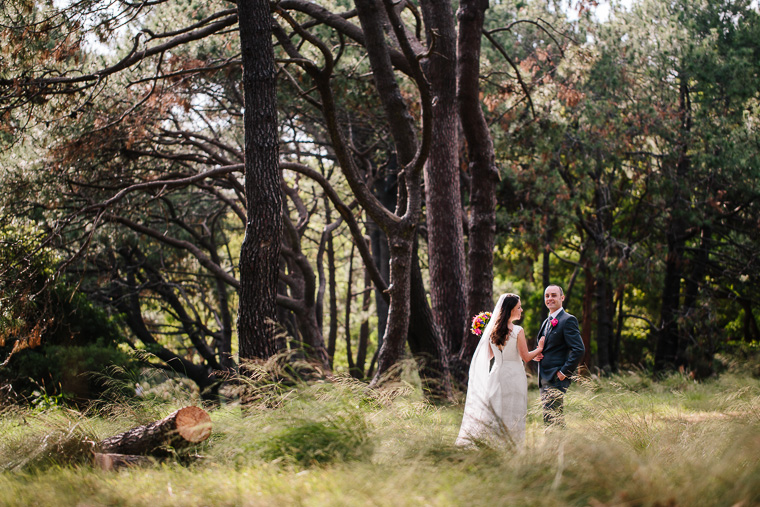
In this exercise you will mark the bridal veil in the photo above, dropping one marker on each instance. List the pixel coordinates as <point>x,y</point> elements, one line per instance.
<point>477,410</point>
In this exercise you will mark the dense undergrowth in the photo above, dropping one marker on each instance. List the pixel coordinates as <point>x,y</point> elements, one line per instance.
<point>628,441</point>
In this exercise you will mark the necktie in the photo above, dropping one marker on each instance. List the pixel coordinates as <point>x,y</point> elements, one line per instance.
<point>546,326</point>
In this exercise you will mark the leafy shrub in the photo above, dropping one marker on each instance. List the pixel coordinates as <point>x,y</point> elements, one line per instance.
<point>50,335</point>
<point>307,442</point>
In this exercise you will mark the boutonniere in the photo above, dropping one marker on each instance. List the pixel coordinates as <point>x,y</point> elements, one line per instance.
<point>555,322</point>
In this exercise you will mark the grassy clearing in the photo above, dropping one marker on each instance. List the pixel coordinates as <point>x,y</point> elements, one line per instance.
<point>628,441</point>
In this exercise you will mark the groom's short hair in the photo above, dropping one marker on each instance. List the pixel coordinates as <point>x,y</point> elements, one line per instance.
<point>561,292</point>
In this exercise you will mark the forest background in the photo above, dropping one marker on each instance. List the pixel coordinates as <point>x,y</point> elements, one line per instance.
<point>398,165</point>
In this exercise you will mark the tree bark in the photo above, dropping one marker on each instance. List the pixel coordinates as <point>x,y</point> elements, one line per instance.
<point>604,326</point>
<point>398,311</point>
<point>588,305</point>
<point>260,252</point>
<point>385,190</point>
<point>666,355</point>
<point>615,353</point>
<point>332,333</point>
<point>751,330</point>
<point>425,342</point>
<point>184,427</point>
<point>443,211</point>
<point>398,226</point>
<point>361,353</point>
<point>347,319</point>
<point>483,171</point>
<point>303,288</point>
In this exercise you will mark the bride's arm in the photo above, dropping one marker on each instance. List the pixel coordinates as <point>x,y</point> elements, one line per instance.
<point>522,347</point>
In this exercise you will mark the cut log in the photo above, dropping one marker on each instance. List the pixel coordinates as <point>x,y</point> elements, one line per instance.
<point>186,426</point>
<point>110,461</point>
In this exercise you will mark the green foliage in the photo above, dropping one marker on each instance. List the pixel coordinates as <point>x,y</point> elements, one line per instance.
<point>332,438</point>
<point>50,335</point>
<point>63,372</point>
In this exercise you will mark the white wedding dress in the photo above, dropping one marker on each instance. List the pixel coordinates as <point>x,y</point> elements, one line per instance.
<point>497,400</point>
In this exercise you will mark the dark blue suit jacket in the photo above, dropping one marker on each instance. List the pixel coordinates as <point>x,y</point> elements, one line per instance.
<point>563,348</point>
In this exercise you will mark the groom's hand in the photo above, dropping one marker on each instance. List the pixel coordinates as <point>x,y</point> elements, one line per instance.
<point>561,375</point>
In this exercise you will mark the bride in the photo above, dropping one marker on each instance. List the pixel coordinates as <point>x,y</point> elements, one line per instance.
<point>497,390</point>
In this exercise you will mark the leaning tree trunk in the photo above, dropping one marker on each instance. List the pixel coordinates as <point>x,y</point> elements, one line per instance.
<point>483,171</point>
<point>260,253</point>
<point>184,427</point>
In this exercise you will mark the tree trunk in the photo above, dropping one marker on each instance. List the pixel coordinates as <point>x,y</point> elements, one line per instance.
<point>303,288</point>
<point>587,324</point>
<point>667,341</point>
<point>425,342</point>
<point>443,211</point>
<point>604,325</point>
<point>260,252</point>
<point>224,342</point>
<point>666,355</point>
<point>546,274</point>
<point>361,353</point>
<point>332,336</point>
<point>184,427</point>
<point>385,191</point>
<point>751,331</point>
<point>697,344</point>
<point>347,319</point>
<point>484,174</point>
<point>398,312</point>
<point>615,356</point>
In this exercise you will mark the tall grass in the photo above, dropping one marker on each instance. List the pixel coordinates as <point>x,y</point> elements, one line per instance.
<point>628,441</point>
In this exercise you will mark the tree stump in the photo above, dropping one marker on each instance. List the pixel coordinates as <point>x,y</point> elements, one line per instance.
<point>186,426</point>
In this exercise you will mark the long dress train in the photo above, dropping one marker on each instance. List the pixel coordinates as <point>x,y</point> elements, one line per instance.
<point>497,401</point>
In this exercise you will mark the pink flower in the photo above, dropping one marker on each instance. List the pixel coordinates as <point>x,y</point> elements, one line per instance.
<point>555,322</point>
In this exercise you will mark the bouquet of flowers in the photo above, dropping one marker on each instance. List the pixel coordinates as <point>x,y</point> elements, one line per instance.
<point>479,322</point>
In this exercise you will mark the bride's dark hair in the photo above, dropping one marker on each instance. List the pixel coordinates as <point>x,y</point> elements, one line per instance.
<point>500,332</point>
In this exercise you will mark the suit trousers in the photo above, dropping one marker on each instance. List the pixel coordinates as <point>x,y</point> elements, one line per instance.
<point>552,398</point>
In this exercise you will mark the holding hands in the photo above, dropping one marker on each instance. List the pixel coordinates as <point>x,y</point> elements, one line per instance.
<point>539,349</point>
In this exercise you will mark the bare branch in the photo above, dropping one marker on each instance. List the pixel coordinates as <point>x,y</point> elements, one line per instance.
<point>503,52</point>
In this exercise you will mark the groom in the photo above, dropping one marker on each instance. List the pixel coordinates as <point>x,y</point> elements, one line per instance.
<point>563,350</point>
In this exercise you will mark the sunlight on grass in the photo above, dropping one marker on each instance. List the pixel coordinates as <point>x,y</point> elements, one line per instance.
<point>628,441</point>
